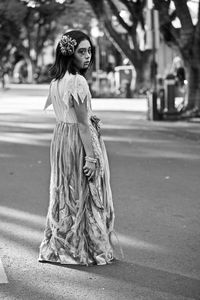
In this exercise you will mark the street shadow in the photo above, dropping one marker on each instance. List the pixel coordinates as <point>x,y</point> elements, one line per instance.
<point>26,129</point>
<point>130,273</point>
<point>147,277</point>
<point>17,290</point>
<point>28,232</point>
<point>138,123</point>
<point>37,127</point>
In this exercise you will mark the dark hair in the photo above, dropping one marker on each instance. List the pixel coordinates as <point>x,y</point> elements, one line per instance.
<point>65,63</point>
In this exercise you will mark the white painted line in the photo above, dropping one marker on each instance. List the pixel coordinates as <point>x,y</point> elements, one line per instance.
<point>3,277</point>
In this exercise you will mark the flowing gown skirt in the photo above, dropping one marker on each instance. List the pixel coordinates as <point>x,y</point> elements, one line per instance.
<point>80,215</point>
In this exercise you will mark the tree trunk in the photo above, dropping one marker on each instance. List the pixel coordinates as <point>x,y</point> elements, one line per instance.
<point>143,71</point>
<point>194,70</point>
<point>193,86</point>
<point>142,78</point>
<point>31,70</point>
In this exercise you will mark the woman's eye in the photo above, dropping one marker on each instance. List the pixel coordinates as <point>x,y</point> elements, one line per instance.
<point>82,52</point>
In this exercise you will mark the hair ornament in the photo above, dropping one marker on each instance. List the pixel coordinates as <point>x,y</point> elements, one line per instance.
<point>67,45</point>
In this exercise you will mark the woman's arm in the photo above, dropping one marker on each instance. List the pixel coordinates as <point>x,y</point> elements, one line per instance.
<point>84,130</point>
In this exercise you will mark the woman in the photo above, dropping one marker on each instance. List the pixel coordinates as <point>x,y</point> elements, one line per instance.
<point>80,216</point>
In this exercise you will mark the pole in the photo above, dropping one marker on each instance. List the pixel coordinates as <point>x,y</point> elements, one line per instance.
<point>154,52</point>
<point>154,68</point>
<point>97,65</point>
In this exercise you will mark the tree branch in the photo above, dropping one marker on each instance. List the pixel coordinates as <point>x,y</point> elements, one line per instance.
<point>131,33</point>
<point>120,43</point>
<point>117,14</point>
<point>187,28</point>
<point>197,29</point>
<point>141,15</point>
<point>37,39</point>
<point>127,4</point>
<point>44,38</point>
<point>97,7</point>
<point>183,14</point>
<point>170,34</point>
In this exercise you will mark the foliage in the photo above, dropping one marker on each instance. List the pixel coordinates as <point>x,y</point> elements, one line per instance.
<point>76,16</point>
<point>26,26</point>
<point>11,16</point>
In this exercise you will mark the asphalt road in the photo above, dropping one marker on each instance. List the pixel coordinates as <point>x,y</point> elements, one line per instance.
<point>155,170</point>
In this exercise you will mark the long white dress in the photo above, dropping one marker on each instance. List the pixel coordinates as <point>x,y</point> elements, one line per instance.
<point>80,216</point>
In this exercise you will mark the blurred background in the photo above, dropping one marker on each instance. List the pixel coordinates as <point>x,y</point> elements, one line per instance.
<point>147,67</point>
<point>142,47</point>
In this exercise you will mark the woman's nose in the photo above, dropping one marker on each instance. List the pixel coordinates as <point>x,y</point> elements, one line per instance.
<point>88,54</point>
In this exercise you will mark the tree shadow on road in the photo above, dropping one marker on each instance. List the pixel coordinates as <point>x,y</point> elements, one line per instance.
<point>147,277</point>
<point>124,271</point>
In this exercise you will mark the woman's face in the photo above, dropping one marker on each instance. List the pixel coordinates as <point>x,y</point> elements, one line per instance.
<point>82,55</point>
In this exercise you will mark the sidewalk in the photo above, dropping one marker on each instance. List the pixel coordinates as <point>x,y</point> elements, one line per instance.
<point>21,86</point>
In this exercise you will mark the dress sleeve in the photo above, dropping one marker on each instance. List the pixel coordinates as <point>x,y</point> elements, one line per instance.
<point>77,87</point>
<point>48,101</point>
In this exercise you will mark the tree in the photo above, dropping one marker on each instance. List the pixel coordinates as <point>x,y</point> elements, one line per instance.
<point>130,17</point>
<point>9,30</point>
<point>186,40</point>
<point>28,25</point>
<point>78,15</point>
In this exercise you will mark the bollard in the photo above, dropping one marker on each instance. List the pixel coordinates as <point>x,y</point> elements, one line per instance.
<point>161,96</point>
<point>152,112</point>
<point>170,94</point>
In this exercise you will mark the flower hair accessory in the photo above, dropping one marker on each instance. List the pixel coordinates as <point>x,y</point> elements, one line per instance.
<point>67,45</point>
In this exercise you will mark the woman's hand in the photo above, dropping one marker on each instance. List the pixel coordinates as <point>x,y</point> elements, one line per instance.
<point>89,169</point>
